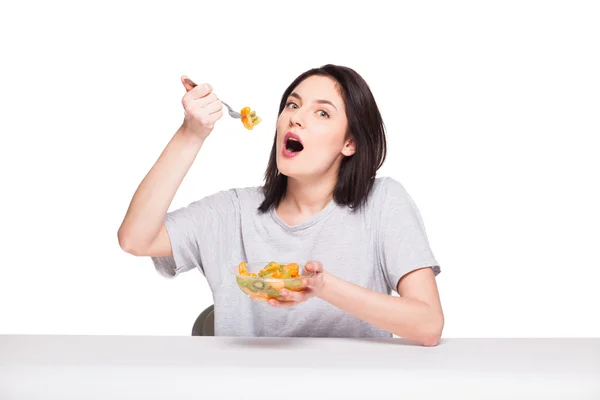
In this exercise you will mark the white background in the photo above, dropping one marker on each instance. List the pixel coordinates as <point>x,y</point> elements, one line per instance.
<point>492,112</point>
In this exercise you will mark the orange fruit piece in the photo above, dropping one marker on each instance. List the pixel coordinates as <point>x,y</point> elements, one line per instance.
<point>245,111</point>
<point>247,123</point>
<point>242,268</point>
<point>277,285</point>
<point>292,268</point>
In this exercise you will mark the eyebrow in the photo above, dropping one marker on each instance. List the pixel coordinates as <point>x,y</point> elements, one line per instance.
<point>320,101</point>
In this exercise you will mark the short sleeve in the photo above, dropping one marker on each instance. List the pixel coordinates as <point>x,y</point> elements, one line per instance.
<point>200,234</point>
<point>402,241</point>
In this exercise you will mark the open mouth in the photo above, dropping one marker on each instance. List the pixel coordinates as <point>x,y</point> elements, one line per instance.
<point>293,143</point>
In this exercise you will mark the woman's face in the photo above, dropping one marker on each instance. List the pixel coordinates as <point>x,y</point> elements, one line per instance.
<point>311,130</point>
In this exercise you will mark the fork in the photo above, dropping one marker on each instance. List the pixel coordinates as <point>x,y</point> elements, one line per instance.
<point>232,113</point>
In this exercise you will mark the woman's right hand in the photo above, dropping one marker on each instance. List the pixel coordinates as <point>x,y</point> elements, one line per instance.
<point>202,108</point>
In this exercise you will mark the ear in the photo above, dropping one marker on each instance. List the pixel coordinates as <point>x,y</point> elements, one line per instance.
<point>349,147</point>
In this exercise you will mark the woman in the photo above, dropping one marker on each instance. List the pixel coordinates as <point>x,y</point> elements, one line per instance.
<point>321,201</point>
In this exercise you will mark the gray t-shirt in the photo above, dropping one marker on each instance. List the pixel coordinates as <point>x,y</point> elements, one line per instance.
<point>372,247</point>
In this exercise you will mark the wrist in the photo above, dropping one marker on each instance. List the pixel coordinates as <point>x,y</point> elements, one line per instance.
<point>328,281</point>
<point>189,136</point>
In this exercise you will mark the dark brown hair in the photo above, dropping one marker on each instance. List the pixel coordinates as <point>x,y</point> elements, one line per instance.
<point>365,125</point>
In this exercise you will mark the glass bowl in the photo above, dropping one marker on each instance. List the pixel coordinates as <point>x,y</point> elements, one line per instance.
<point>264,280</point>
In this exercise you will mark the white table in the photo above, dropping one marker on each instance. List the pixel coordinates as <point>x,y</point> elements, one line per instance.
<point>133,367</point>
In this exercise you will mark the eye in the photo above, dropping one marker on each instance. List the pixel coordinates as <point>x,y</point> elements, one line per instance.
<point>290,103</point>
<point>323,114</point>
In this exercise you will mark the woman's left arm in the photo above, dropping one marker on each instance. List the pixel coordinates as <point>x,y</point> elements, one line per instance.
<point>408,265</point>
<point>416,315</point>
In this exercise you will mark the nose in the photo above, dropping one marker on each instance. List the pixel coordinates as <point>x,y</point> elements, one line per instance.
<point>296,118</point>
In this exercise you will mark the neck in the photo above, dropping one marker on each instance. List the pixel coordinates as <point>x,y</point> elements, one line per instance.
<point>308,197</point>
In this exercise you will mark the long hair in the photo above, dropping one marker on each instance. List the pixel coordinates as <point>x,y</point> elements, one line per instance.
<point>365,125</point>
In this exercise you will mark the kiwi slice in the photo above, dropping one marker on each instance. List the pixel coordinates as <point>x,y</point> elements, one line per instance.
<point>268,274</point>
<point>247,283</point>
<point>258,285</point>
<point>294,285</point>
<point>242,281</point>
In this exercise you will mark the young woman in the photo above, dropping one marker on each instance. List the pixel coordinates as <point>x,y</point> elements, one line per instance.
<point>321,201</point>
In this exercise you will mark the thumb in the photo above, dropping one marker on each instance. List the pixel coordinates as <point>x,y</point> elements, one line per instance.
<point>314,266</point>
<point>187,83</point>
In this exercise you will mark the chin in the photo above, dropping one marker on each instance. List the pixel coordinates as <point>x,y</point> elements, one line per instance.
<point>291,171</point>
<point>287,170</point>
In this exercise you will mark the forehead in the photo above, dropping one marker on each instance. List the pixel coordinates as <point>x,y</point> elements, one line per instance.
<point>319,88</point>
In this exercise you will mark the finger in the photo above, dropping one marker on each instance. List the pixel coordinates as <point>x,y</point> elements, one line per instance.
<point>314,266</point>
<point>312,283</point>
<point>290,295</point>
<point>199,91</point>
<point>200,102</point>
<point>188,83</point>
<point>213,118</point>
<point>213,107</point>
<point>282,304</point>
<point>189,102</point>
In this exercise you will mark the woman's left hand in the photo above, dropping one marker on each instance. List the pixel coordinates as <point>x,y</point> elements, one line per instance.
<point>314,285</point>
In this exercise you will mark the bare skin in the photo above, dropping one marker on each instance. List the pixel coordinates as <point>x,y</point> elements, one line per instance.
<point>142,231</point>
<point>315,112</point>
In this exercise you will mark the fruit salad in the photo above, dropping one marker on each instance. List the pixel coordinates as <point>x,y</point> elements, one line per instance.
<point>249,118</point>
<point>266,283</point>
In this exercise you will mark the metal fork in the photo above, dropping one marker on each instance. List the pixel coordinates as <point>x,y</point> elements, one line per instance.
<point>232,113</point>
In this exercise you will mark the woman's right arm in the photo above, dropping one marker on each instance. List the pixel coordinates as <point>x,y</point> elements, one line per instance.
<point>142,232</point>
